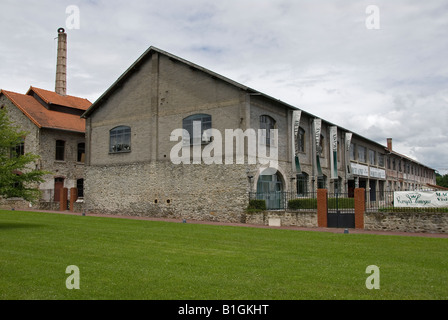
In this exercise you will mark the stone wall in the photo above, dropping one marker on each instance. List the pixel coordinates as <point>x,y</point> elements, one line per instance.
<point>431,222</point>
<point>162,189</point>
<point>287,218</point>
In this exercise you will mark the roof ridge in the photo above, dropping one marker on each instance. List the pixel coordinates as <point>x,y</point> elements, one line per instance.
<point>8,95</point>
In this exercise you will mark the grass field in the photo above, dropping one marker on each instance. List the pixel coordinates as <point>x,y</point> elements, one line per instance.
<point>134,259</point>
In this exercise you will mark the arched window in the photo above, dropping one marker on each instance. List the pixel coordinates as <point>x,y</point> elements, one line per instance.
<point>203,121</point>
<point>267,124</point>
<point>120,139</point>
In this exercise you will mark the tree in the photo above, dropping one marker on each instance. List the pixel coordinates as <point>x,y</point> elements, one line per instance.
<point>18,175</point>
<point>442,180</point>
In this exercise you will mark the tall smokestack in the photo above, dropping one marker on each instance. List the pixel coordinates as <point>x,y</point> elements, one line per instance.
<point>61,64</point>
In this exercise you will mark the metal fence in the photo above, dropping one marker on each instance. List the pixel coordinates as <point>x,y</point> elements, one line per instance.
<point>383,201</point>
<point>281,200</point>
<point>375,201</point>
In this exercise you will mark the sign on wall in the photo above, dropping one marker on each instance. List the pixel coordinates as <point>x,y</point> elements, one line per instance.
<point>317,124</point>
<point>295,127</point>
<point>420,199</point>
<point>334,151</point>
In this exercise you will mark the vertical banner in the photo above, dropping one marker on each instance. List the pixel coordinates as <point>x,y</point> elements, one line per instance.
<point>348,167</point>
<point>317,148</point>
<point>294,141</point>
<point>334,152</point>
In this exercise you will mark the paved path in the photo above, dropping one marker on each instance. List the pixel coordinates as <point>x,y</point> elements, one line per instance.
<point>333,230</point>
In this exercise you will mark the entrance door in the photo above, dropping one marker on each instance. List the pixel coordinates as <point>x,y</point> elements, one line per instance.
<point>58,185</point>
<point>269,188</point>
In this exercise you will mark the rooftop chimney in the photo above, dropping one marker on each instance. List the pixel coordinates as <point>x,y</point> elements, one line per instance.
<point>389,144</point>
<point>61,64</point>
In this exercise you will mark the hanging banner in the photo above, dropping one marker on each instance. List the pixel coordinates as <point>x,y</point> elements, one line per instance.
<point>317,148</point>
<point>348,167</point>
<point>420,199</point>
<point>334,152</point>
<point>295,141</point>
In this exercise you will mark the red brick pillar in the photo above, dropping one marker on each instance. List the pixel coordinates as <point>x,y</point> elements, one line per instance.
<point>73,198</point>
<point>63,199</point>
<point>360,207</point>
<point>322,208</point>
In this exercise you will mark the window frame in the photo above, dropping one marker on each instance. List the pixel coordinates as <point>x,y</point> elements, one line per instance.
<point>80,154</point>
<point>267,126</point>
<point>120,136</point>
<point>60,150</point>
<point>188,124</point>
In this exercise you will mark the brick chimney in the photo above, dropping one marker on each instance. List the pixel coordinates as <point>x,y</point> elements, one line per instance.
<point>389,144</point>
<point>61,64</point>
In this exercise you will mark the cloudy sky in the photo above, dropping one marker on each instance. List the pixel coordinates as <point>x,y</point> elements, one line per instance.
<point>381,73</point>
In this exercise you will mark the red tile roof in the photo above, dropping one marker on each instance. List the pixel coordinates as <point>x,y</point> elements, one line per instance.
<point>44,118</point>
<point>51,97</point>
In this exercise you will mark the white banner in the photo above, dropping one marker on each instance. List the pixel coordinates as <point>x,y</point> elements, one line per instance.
<point>420,199</point>
<point>317,147</point>
<point>294,141</point>
<point>348,168</point>
<point>334,152</point>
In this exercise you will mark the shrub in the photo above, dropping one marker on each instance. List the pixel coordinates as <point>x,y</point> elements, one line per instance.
<point>343,203</point>
<point>304,203</point>
<point>256,205</point>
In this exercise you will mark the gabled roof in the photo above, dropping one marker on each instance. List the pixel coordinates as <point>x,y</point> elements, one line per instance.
<point>148,53</point>
<point>51,97</point>
<point>41,116</point>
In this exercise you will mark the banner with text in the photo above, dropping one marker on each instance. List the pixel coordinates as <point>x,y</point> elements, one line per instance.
<point>420,199</point>
<point>317,124</point>
<point>295,141</point>
<point>348,168</point>
<point>334,152</point>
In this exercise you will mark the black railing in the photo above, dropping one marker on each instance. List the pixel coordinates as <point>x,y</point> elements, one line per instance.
<point>281,200</point>
<point>383,201</point>
<point>375,201</point>
<point>341,203</point>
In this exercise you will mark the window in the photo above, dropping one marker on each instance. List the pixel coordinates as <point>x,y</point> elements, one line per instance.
<point>267,124</point>
<point>202,120</point>
<point>352,152</point>
<point>19,150</point>
<point>302,184</point>
<point>60,150</point>
<point>81,151</point>
<point>80,187</point>
<point>361,154</point>
<point>372,157</point>
<point>301,140</point>
<point>322,182</point>
<point>381,160</point>
<point>120,139</point>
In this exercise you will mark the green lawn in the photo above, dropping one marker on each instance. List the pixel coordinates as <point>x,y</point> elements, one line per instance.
<point>134,259</point>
